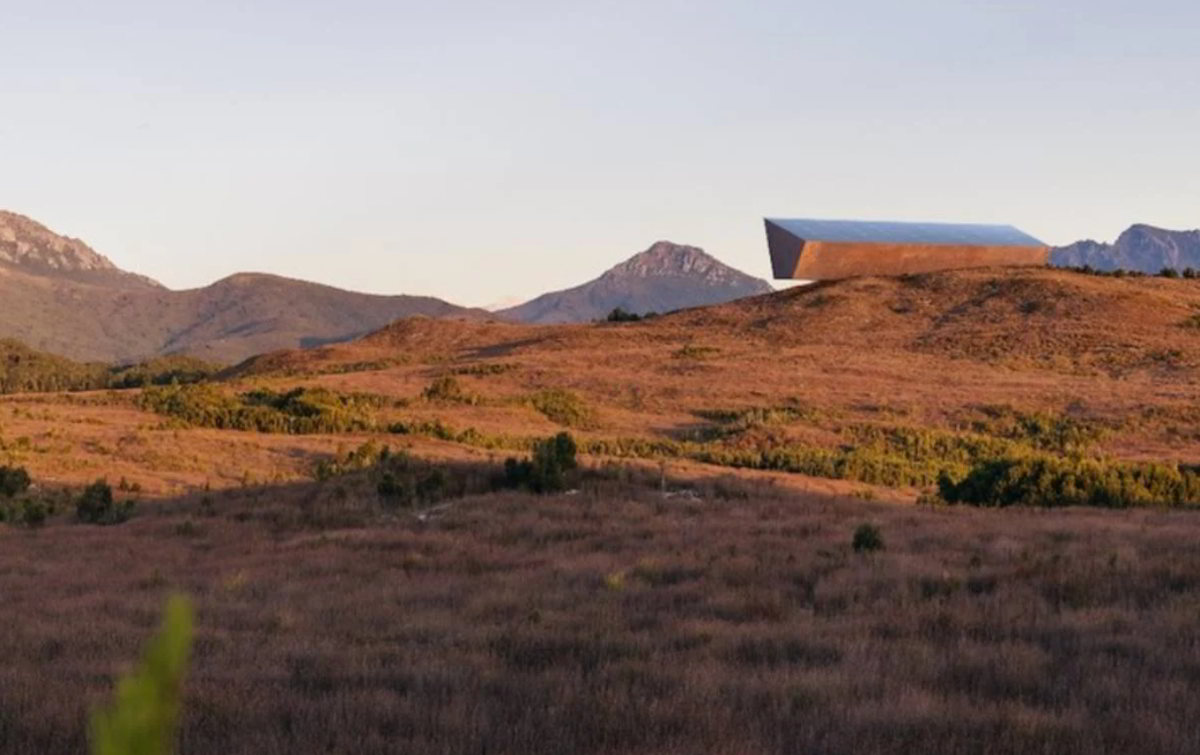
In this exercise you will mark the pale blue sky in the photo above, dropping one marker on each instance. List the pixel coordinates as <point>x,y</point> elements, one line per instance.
<point>477,151</point>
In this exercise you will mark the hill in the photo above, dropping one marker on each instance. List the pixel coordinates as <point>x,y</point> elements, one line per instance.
<point>60,296</point>
<point>25,370</point>
<point>881,380</point>
<point>663,278</point>
<point>1142,247</point>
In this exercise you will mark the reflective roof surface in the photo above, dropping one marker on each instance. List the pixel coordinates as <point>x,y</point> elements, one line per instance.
<point>877,232</point>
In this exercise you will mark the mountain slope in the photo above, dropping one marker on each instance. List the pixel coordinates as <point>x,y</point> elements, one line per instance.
<point>1141,247</point>
<point>62,297</point>
<point>663,278</point>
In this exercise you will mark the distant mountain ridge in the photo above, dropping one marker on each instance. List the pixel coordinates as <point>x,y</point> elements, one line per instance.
<point>60,296</point>
<point>1144,248</point>
<point>665,277</point>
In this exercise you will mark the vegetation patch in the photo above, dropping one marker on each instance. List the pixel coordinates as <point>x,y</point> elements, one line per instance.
<point>731,422</point>
<point>546,472</point>
<point>297,411</point>
<point>563,407</point>
<point>447,389</point>
<point>25,370</point>
<point>13,481</point>
<point>621,315</point>
<point>96,505</point>
<point>867,539</point>
<point>1039,430</point>
<point>1048,481</point>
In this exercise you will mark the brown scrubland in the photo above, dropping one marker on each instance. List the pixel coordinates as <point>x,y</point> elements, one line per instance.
<point>698,588</point>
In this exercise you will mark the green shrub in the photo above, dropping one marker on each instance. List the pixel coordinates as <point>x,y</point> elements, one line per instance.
<point>298,411</point>
<point>562,407</point>
<point>13,481</point>
<point>867,539</point>
<point>34,512</point>
<point>1048,481</point>
<point>553,458</point>
<point>143,715</point>
<point>394,489</point>
<point>96,505</point>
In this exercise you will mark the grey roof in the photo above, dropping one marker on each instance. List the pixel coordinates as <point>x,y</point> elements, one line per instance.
<point>877,232</point>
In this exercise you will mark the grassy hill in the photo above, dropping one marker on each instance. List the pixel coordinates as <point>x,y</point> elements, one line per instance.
<point>888,382</point>
<point>736,566</point>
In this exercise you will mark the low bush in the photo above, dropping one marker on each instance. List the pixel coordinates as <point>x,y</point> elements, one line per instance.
<point>13,481</point>
<point>546,472</point>
<point>562,407</point>
<point>97,506</point>
<point>30,512</point>
<point>867,539</point>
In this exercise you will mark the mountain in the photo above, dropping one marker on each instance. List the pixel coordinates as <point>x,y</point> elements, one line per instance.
<point>663,278</point>
<point>62,297</point>
<point>1142,247</point>
<point>30,247</point>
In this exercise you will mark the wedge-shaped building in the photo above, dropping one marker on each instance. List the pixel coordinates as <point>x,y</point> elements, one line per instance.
<point>824,249</point>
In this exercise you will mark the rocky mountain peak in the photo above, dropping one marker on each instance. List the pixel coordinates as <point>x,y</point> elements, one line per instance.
<point>665,259</point>
<point>1140,247</point>
<point>33,248</point>
<point>663,278</point>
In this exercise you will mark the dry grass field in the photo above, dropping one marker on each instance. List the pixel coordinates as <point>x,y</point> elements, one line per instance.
<point>734,619</point>
<point>693,593</point>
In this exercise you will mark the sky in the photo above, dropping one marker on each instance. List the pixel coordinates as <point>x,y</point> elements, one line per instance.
<point>483,152</point>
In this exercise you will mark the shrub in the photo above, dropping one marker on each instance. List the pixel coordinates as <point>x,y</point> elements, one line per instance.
<point>13,481</point>
<point>448,389</point>
<point>547,471</point>
<point>393,489</point>
<point>96,505</point>
<point>1168,272</point>
<point>1047,481</point>
<point>562,407</point>
<point>298,411</point>
<point>621,315</point>
<point>33,512</point>
<point>867,539</point>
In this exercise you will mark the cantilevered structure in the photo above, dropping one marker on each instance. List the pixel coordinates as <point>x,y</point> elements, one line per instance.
<point>824,249</point>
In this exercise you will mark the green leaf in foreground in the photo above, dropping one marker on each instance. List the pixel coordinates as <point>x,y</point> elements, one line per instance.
<point>142,717</point>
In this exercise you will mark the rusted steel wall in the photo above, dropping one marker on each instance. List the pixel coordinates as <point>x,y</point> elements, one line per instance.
<point>822,260</point>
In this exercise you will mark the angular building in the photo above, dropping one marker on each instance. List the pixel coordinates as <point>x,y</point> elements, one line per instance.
<point>824,249</point>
